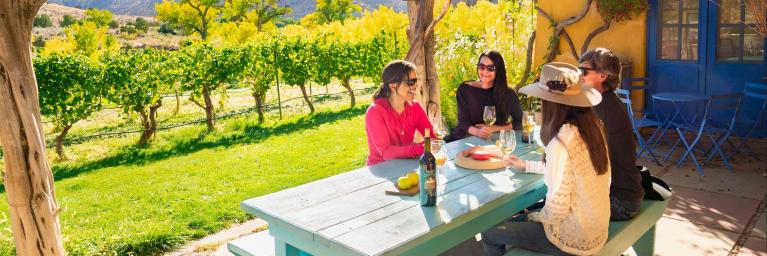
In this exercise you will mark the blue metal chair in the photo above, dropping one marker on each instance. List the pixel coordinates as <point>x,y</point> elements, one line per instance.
<point>650,116</point>
<point>725,105</point>
<point>757,94</point>
<point>639,120</point>
<point>630,84</point>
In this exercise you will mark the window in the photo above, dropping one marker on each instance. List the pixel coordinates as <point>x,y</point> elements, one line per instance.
<point>678,25</point>
<point>737,41</point>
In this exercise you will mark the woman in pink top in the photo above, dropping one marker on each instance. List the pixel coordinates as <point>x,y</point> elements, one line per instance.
<point>394,117</point>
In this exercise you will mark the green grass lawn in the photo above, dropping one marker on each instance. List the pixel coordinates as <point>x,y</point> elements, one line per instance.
<point>119,199</point>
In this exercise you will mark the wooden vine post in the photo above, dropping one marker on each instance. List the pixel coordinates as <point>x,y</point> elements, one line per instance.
<point>422,49</point>
<point>28,178</point>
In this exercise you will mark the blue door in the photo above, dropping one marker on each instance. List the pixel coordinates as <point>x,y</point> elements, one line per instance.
<point>704,46</point>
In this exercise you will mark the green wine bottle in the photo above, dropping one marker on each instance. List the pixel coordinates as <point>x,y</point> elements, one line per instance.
<point>427,174</point>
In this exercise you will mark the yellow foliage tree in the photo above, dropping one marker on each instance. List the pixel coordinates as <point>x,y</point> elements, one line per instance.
<point>87,38</point>
<point>193,16</point>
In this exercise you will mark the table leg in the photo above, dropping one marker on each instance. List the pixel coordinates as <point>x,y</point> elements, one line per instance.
<point>690,150</point>
<point>284,249</point>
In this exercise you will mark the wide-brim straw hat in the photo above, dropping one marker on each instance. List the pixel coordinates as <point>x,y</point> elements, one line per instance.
<point>562,83</point>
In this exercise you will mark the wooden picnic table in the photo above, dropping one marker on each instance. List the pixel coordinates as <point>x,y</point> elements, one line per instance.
<point>349,213</point>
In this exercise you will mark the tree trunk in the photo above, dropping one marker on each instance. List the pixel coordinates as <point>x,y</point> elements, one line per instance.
<point>209,115</point>
<point>345,84</point>
<point>421,52</point>
<point>28,179</point>
<point>149,122</point>
<point>259,106</point>
<point>178,103</point>
<point>306,98</point>
<point>60,141</point>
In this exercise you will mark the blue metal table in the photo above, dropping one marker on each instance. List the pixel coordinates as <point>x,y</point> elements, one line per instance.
<point>685,109</point>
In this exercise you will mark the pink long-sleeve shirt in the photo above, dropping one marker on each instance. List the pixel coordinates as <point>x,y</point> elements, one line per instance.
<point>390,135</point>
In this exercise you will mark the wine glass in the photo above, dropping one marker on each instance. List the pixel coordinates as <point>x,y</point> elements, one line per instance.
<point>436,149</point>
<point>489,116</point>
<point>529,126</point>
<point>440,129</point>
<point>507,142</point>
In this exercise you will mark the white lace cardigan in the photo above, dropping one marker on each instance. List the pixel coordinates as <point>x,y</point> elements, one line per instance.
<point>577,211</point>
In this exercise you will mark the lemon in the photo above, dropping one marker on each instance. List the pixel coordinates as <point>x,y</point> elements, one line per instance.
<point>413,176</point>
<point>404,182</point>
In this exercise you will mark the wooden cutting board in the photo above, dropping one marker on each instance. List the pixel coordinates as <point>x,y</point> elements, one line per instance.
<point>395,191</point>
<point>495,162</point>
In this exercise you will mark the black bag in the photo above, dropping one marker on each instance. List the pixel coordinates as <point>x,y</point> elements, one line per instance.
<point>654,187</point>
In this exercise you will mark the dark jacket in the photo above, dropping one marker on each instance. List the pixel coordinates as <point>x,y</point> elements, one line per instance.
<point>626,181</point>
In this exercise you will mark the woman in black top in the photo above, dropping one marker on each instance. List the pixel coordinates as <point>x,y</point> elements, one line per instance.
<point>490,90</point>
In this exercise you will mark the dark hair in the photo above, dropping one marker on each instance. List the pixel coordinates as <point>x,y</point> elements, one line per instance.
<point>603,60</point>
<point>396,71</point>
<point>583,118</point>
<point>501,90</point>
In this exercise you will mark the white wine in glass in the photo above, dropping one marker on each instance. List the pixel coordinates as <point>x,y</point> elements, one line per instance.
<point>507,142</point>
<point>529,127</point>
<point>489,115</point>
<point>440,129</point>
<point>437,147</point>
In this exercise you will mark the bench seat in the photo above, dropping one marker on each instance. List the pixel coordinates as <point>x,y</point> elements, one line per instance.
<point>638,232</point>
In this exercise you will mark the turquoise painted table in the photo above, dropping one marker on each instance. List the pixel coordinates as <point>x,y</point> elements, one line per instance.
<point>349,214</point>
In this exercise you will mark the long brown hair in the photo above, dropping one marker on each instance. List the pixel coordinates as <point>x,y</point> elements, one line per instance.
<point>395,72</point>
<point>588,124</point>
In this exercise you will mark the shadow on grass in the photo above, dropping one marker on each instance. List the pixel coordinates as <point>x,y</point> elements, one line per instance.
<point>253,133</point>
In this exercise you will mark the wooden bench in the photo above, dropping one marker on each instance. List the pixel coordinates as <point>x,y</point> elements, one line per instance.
<point>638,232</point>
<point>258,244</point>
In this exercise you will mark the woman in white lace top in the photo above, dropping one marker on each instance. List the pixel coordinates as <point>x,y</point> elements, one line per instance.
<point>576,171</point>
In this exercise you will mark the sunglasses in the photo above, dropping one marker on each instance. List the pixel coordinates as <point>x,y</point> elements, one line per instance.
<point>411,82</point>
<point>489,68</point>
<point>585,70</point>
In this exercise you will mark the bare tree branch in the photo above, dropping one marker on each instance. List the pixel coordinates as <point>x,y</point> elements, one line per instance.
<point>594,33</point>
<point>434,22</point>
<point>546,15</point>
<point>574,19</point>
<point>570,43</point>
<point>196,102</point>
<point>528,62</point>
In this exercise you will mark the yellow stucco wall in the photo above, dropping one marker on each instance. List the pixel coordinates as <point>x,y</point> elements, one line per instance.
<point>627,38</point>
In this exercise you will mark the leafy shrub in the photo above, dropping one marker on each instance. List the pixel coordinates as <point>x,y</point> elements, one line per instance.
<point>67,20</point>
<point>167,29</point>
<point>42,21</point>
<point>141,24</point>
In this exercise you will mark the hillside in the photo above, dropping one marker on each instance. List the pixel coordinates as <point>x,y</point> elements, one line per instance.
<point>57,12</point>
<point>146,7</point>
<point>126,7</point>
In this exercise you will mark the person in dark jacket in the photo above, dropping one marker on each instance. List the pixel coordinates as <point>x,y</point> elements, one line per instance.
<point>600,69</point>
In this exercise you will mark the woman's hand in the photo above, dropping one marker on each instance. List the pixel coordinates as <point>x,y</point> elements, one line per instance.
<point>515,162</point>
<point>483,131</point>
<point>417,138</point>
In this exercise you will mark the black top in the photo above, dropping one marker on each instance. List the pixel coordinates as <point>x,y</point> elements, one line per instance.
<point>626,181</point>
<point>471,106</point>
